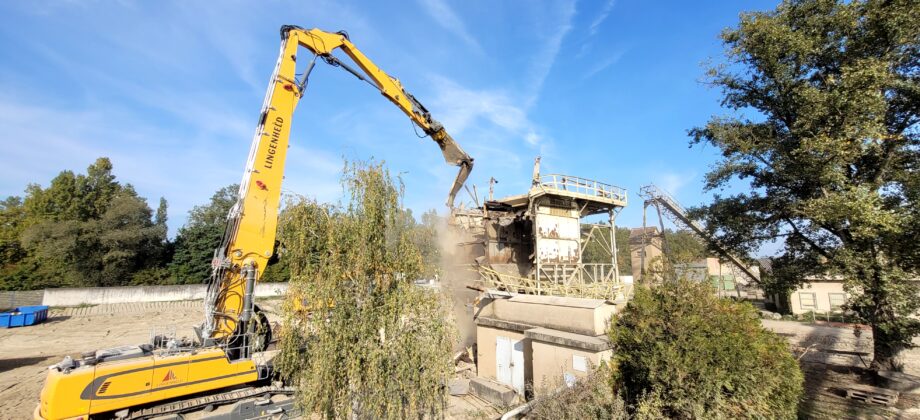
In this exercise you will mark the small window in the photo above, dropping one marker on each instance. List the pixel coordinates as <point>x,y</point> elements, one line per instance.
<point>837,300</point>
<point>807,300</point>
<point>726,282</point>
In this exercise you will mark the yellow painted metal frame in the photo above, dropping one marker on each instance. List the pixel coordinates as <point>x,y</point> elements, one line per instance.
<point>252,242</point>
<point>118,384</point>
<point>114,385</point>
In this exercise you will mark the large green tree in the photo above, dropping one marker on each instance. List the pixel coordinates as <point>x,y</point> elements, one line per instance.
<point>684,247</point>
<point>82,230</point>
<point>826,101</point>
<point>17,271</point>
<point>103,251</point>
<point>196,241</point>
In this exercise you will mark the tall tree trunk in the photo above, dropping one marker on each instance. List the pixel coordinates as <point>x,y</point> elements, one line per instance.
<point>886,351</point>
<point>885,345</point>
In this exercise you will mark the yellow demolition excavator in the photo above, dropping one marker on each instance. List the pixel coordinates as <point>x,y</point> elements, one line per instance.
<point>170,375</point>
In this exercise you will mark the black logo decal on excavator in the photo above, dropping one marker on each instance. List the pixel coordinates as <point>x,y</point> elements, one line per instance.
<point>277,126</point>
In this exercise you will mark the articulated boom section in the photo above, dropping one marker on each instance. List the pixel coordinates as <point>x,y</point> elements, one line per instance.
<point>250,236</point>
<point>249,240</point>
<point>127,377</point>
<point>324,43</point>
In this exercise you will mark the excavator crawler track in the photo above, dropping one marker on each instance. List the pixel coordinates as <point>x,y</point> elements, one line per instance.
<point>192,404</point>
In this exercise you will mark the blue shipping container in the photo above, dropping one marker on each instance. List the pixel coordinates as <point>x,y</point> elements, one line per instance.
<point>24,315</point>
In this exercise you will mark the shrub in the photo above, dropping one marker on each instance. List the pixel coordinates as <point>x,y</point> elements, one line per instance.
<point>589,398</point>
<point>681,352</point>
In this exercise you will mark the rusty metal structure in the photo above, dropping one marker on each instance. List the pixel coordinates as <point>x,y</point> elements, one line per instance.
<point>658,198</point>
<point>535,243</point>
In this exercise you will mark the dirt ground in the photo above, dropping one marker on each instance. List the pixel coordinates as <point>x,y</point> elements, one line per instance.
<point>26,352</point>
<point>832,358</point>
<point>833,361</point>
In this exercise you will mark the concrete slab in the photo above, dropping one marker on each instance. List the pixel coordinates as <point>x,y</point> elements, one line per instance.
<point>458,386</point>
<point>493,392</point>
<point>502,324</point>
<point>563,338</point>
<point>582,316</point>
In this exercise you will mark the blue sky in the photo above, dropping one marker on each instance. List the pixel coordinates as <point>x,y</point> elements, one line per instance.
<point>170,91</point>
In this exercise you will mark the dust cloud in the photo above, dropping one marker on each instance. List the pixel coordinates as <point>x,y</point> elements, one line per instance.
<point>459,249</point>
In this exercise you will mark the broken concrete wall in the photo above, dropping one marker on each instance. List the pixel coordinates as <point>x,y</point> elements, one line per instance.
<point>509,243</point>
<point>558,235</point>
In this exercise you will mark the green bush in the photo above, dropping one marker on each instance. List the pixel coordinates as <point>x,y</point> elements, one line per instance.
<point>589,398</point>
<point>681,352</point>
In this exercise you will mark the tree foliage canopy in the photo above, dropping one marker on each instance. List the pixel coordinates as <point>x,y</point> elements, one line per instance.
<point>375,345</point>
<point>682,352</point>
<point>827,101</point>
<point>82,230</point>
<point>195,242</point>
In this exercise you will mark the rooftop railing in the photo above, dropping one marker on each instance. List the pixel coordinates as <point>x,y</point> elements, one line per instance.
<point>583,186</point>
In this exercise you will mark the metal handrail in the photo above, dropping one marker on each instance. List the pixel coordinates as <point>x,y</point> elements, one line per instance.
<point>584,186</point>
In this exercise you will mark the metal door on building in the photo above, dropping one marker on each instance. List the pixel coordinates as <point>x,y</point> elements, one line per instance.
<point>509,359</point>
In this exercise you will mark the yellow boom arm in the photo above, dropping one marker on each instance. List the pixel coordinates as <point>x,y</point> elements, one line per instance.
<point>250,236</point>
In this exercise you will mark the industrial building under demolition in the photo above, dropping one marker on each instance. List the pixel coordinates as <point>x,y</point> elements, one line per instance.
<point>545,304</point>
<point>534,243</point>
<point>545,265</point>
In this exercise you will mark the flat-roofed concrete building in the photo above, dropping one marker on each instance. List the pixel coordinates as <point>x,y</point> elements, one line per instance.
<point>529,342</point>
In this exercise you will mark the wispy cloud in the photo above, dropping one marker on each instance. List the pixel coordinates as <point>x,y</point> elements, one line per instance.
<point>601,17</point>
<point>594,27</point>
<point>448,19</point>
<point>81,135</point>
<point>604,64</point>
<point>498,120</point>
<point>492,126</point>
<point>460,107</point>
<point>673,182</point>
<point>185,165</point>
<point>546,57</point>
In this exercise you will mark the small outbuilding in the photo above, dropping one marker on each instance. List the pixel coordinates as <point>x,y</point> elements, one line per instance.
<point>538,343</point>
